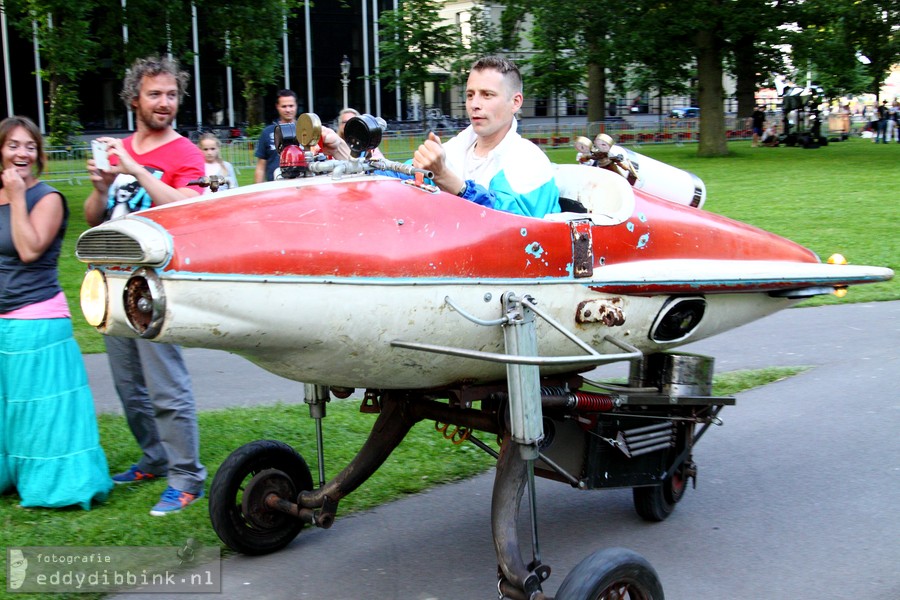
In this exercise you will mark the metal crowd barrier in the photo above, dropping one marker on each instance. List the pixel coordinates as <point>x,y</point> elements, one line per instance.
<point>67,163</point>
<point>401,144</point>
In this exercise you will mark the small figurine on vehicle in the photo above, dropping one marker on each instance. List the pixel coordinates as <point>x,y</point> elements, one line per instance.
<point>599,154</point>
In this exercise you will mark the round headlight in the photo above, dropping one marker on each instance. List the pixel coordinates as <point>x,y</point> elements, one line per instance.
<point>94,298</point>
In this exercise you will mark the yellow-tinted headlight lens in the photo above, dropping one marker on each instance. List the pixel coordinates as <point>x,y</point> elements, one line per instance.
<point>94,297</point>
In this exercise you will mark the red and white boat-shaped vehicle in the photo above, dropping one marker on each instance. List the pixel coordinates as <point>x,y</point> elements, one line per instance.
<point>442,309</point>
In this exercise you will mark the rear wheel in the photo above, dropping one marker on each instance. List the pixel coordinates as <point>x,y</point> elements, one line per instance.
<point>655,503</point>
<point>237,496</point>
<point>612,574</point>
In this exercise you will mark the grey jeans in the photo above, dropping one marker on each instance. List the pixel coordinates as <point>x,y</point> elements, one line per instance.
<point>154,386</point>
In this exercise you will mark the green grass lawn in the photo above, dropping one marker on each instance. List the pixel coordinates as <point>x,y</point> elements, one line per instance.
<point>841,198</point>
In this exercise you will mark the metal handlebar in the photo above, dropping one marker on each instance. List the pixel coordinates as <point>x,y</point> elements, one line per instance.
<point>398,167</point>
<point>339,167</point>
<point>213,182</point>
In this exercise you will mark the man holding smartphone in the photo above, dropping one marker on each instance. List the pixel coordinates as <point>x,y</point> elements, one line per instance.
<point>148,168</point>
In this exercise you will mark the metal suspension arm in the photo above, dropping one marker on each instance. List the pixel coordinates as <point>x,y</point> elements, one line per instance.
<point>392,425</point>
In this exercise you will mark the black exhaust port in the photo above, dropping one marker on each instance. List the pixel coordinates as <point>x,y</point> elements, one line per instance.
<point>678,318</point>
<point>145,303</point>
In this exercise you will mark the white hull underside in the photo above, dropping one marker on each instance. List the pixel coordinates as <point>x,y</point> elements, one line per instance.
<point>340,334</point>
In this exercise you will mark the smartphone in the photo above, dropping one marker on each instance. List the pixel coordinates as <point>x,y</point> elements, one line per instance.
<point>101,159</point>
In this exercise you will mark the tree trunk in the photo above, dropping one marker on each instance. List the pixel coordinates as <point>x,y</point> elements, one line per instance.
<point>596,110</point>
<point>63,118</point>
<point>555,112</point>
<point>745,76</point>
<point>711,93</point>
<point>255,113</point>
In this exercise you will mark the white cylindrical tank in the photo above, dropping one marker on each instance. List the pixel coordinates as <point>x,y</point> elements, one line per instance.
<point>665,181</point>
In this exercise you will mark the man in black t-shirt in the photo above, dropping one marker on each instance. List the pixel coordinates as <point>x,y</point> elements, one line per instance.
<point>881,128</point>
<point>758,121</point>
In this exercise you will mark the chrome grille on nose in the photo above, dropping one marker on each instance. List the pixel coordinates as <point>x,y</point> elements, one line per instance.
<point>108,246</point>
<point>124,241</point>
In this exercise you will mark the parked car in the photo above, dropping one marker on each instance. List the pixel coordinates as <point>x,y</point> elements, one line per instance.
<point>685,112</point>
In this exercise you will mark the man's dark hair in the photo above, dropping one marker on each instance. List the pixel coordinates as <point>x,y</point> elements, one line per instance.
<point>151,67</point>
<point>285,93</point>
<point>505,67</point>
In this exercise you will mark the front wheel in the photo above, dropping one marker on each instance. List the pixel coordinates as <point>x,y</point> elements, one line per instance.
<point>612,574</point>
<point>236,497</point>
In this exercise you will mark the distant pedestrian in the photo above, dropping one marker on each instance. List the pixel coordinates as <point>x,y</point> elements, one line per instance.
<point>267,157</point>
<point>893,124</point>
<point>345,115</point>
<point>883,112</point>
<point>757,121</point>
<point>770,137</point>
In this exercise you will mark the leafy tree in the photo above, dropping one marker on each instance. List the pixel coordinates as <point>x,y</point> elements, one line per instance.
<point>512,23</point>
<point>756,40</point>
<point>674,34</point>
<point>590,27</point>
<point>555,69</point>
<point>485,39</point>
<point>158,27</point>
<point>64,35</point>
<point>487,36</point>
<point>415,47</point>
<point>600,27</point>
<point>254,52</point>
<point>662,63</point>
<point>834,32</point>
<point>872,28</point>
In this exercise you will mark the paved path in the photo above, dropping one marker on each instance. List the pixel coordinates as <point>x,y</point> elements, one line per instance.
<point>797,493</point>
<point>221,380</point>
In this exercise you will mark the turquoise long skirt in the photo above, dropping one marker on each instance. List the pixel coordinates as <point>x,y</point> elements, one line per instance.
<point>49,443</point>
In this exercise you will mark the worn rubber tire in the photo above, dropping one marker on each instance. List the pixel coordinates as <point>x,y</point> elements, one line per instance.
<point>225,496</point>
<point>655,503</point>
<point>609,574</point>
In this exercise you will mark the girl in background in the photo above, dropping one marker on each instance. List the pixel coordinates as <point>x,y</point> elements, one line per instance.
<point>209,145</point>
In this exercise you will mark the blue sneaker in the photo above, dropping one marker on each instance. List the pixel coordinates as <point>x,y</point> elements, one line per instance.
<point>133,475</point>
<point>172,501</point>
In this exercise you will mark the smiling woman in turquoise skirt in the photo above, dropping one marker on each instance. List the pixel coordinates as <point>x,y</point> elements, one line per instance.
<point>49,444</point>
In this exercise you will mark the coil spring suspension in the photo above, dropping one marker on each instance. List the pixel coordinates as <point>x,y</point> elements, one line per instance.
<point>457,436</point>
<point>591,402</point>
<point>581,401</point>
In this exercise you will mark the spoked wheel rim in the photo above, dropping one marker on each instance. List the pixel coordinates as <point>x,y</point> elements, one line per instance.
<point>257,490</point>
<point>237,499</point>
<point>623,590</point>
